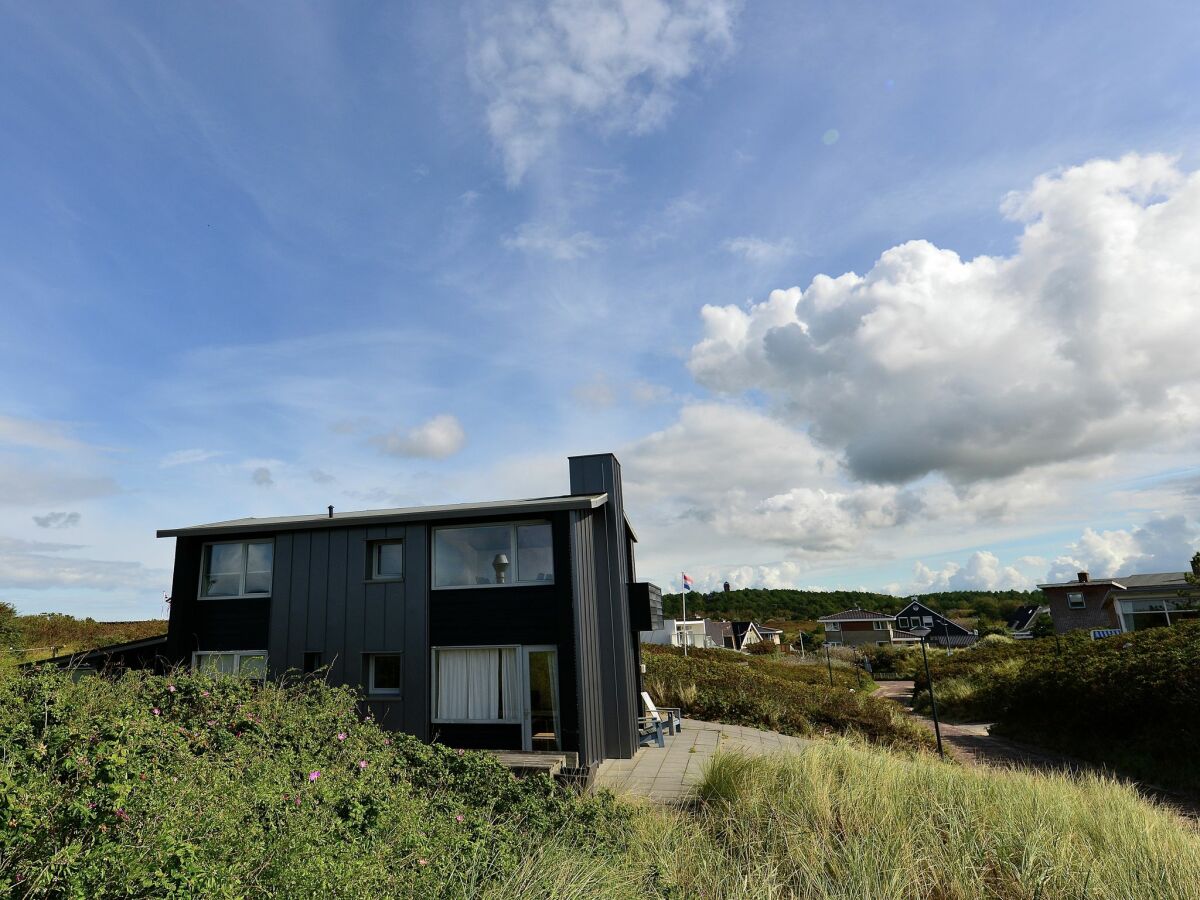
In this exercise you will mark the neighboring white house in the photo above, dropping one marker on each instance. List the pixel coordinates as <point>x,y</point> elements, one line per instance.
<point>677,632</point>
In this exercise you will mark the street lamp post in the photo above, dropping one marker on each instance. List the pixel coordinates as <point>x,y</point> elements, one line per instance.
<point>937,727</point>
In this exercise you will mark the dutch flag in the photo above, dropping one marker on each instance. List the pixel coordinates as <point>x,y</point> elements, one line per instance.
<point>687,581</point>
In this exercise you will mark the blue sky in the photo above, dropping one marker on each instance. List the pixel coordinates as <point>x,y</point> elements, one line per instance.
<point>279,256</point>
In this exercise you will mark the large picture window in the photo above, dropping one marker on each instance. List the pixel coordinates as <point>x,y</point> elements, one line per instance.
<point>236,569</point>
<point>478,684</point>
<point>483,555</point>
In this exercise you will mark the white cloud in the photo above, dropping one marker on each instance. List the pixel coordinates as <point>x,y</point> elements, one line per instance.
<point>57,520</point>
<point>1163,544</point>
<point>187,457</point>
<point>440,437</point>
<point>1073,347</point>
<point>37,434</point>
<point>760,251</point>
<point>546,241</point>
<point>41,566</point>
<point>982,571</point>
<point>612,63</point>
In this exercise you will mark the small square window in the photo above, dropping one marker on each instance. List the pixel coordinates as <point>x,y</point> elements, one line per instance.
<point>832,626</point>
<point>387,560</point>
<point>1075,601</point>
<point>383,675</point>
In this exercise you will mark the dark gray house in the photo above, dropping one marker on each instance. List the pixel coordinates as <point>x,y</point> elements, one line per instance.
<point>508,625</point>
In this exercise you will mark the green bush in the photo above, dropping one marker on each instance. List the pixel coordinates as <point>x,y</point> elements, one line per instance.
<point>778,695</point>
<point>1130,701</point>
<point>199,786</point>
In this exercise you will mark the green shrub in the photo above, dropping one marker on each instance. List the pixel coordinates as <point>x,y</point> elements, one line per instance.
<point>201,786</point>
<point>778,695</point>
<point>1130,701</point>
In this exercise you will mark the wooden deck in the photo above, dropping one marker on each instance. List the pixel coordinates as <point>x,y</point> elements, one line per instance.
<point>537,762</point>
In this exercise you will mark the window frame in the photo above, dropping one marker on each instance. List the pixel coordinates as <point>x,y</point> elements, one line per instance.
<point>206,554</point>
<point>512,526</point>
<point>881,625</point>
<point>374,692</point>
<point>1071,600</point>
<point>833,643</point>
<point>237,661</point>
<point>833,626</point>
<point>375,555</point>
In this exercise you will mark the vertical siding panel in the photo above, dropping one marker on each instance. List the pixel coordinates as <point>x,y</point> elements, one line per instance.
<point>318,592</point>
<point>356,573</point>
<point>298,600</point>
<point>416,689</point>
<point>333,641</point>
<point>281,592</point>
<point>393,600</point>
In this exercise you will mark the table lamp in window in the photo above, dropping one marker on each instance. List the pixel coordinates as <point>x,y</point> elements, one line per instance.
<point>500,564</point>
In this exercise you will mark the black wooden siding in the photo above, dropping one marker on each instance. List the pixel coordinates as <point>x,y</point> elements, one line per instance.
<point>588,691</point>
<point>616,642</point>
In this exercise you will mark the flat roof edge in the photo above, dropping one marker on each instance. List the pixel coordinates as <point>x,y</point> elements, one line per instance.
<point>394,516</point>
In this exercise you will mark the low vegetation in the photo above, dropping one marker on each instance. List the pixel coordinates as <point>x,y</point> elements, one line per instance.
<point>987,611</point>
<point>1130,701</point>
<point>41,635</point>
<point>782,695</point>
<point>189,785</point>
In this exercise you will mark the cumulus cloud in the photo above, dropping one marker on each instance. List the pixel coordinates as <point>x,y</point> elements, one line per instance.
<point>1164,544</point>
<point>261,476</point>
<point>542,240</point>
<point>982,571</point>
<point>1073,347</point>
<point>613,64</point>
<point>57,520</point>
<point>186,457</point>
<point>440,437</point>
<point>760,251</point>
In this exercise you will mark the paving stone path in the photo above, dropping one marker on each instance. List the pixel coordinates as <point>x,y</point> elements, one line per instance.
<point>668,774</point>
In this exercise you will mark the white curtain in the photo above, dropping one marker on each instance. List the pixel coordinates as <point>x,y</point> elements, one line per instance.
<point>483,674</point>
<point>510,683</point>
<point>452,684</point>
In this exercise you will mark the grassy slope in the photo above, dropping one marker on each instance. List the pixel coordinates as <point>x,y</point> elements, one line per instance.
<point>99,796</point>
<point>43,632</point>
<point>778,694</point>
<point>1132,702</point>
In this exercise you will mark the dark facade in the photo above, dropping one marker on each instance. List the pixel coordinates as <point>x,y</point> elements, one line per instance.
<point>565,642</point>
<point>933,626</point>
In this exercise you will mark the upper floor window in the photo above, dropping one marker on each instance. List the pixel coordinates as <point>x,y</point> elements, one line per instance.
<point>387,560</point>
<point>1075,600</point>
<point>236,569</point>
<point>480,555</point>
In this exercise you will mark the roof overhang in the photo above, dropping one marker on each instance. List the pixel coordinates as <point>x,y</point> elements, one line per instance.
<point>540,505</point>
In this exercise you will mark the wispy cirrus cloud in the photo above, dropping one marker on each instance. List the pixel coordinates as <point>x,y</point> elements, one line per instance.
<point>759,250</point>
<point>541,64</point>
<point>187,457</point>
<point>542,240</point>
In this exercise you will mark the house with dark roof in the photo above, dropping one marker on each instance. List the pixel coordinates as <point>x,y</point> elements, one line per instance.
<point>1023,618</point>
<point>1105,606</point>
<point>506,625</point>
<point>935,629</point>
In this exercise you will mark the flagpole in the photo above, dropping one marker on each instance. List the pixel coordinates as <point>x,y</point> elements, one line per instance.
<point>685,632</point>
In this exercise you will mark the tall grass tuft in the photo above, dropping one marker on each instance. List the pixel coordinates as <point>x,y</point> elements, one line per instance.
<point>840,821</point>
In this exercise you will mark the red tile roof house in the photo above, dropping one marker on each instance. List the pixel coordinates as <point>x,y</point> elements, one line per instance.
<point>857,627</point>
<point>1125,603</point>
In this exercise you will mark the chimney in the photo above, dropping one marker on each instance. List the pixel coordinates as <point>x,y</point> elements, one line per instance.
<point>1083,577</point>
<point>331,510</point>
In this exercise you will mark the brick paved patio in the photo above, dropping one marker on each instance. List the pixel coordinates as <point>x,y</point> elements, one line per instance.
<point>668,774</point>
